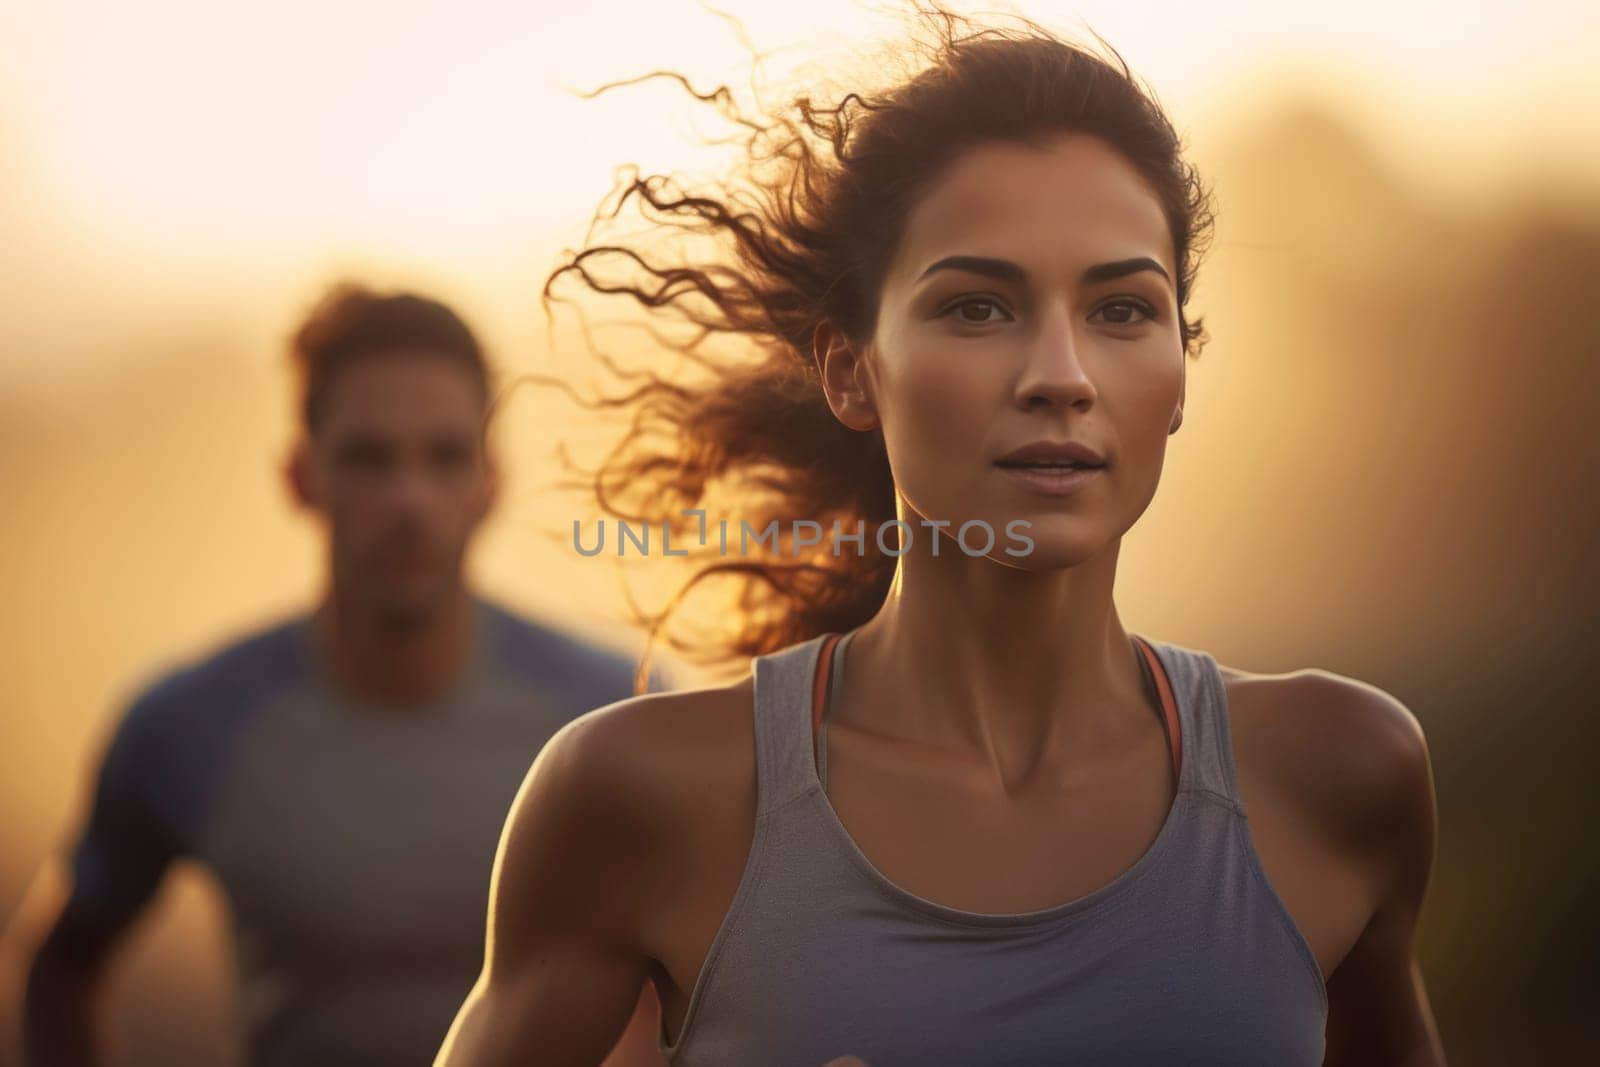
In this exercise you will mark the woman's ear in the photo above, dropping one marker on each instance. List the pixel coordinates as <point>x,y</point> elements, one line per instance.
<point>844,378</point>
<point>1183,387</point>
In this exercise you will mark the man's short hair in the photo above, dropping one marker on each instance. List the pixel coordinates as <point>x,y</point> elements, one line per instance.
<point>353,322</point>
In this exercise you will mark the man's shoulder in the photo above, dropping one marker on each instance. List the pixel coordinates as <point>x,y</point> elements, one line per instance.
<point>220,684</point>
<point>167,749</point>
<point>576,672</point>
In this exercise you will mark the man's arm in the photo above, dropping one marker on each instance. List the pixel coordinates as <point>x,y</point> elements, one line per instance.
<point>1378,1011</point>
<point>114,870</point>
<point>564,966</point>
<point>63,978</point>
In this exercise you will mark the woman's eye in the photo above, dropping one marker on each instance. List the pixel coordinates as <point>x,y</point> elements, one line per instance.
<point>1123,309</point>
<point>982,303</point>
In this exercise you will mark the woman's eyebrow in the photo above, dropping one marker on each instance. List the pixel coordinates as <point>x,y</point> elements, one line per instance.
<point>1007,271</point>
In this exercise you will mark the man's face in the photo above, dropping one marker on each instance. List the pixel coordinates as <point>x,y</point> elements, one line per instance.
<point>397,469</point>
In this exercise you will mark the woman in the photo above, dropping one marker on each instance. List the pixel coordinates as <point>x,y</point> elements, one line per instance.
<point>957,813</point>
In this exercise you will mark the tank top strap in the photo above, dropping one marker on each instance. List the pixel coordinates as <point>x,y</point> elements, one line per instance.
<point>785,681</point>
<point>1202,709</point>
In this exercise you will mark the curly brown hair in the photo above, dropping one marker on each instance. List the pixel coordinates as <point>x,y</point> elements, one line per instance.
<point>802,232</point>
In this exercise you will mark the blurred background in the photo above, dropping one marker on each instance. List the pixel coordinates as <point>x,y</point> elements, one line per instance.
<point>1388,466</point>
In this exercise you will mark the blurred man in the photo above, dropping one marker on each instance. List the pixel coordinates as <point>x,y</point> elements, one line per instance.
<point>345,772</point>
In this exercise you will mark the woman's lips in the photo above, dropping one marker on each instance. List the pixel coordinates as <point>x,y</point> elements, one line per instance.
<point>1052,480</point>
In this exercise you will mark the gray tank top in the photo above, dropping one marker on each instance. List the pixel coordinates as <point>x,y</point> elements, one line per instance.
<point>1187,957</point>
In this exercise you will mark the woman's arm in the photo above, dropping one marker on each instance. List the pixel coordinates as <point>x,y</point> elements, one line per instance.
<point>564,968</point>
<point>1378,1011</point>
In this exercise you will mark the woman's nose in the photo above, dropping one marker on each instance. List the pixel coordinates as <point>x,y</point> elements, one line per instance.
<point>1055,374</point>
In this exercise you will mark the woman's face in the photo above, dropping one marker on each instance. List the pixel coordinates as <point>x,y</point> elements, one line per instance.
<point>1032,301</point>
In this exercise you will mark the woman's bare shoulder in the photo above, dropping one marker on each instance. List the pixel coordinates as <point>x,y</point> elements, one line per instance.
<point>635,782</point>
<point>1347,751</point>
<point>612,805</point>
<point>657,748</point>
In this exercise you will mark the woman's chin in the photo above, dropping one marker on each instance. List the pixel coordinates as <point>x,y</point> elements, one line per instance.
<point>1053,540</point>
<point>1051,553</point>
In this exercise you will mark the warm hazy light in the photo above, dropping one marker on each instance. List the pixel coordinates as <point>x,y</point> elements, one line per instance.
<point>177,152</point>
<point>429,125</point>
<point>1402,276</point>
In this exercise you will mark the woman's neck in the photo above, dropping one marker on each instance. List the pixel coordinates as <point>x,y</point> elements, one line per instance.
<point>1025,668</point>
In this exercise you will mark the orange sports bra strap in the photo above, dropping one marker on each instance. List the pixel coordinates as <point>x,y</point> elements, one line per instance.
<point>1169,705</point>
<point>819,689</point>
